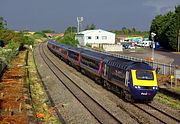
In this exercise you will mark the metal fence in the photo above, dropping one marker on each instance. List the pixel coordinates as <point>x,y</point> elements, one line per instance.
<point>161,68</point>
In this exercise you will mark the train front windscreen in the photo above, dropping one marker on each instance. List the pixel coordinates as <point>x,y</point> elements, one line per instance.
<point>144,75</point>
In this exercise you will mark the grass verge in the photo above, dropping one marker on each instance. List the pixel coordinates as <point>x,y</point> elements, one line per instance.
<point>168,101</point>
<point>41,104</point>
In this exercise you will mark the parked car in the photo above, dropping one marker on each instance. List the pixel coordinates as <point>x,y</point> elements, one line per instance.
<point>129,45</point>
<point>125,46</point>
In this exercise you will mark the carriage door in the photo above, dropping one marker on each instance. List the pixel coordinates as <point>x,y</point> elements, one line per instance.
<point>105,67</point>
<point>127,78</point>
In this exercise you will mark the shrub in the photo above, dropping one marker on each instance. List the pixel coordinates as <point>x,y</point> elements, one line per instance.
<point>68,39</point>
<point>28,40</point>
<point>13,45</point>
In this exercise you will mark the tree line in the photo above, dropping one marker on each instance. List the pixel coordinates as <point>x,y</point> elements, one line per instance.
<point>131,31</point>
<point>167,29</point>
<point>17,39</point>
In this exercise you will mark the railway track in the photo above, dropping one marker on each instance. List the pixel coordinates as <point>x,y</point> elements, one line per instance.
<point>98,111</point>
<point>169,92</point>
<point>157,114</point>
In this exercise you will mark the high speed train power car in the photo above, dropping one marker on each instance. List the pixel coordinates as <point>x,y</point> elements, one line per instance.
<point>130,79</point>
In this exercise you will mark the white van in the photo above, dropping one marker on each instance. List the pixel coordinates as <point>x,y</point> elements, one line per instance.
<point>147,43</point>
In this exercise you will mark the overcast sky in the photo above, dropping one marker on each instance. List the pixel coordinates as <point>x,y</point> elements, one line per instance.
<point>57,15</point>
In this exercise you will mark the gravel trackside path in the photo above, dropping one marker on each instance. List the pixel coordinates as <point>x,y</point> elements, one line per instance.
<point>71,110</point>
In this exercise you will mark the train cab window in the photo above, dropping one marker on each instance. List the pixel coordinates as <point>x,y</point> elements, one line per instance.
<point>144,75</point>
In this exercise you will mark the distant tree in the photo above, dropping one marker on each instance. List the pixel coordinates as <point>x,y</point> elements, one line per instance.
<point>124,28</point>
<point>71,29</point>
<point>133,29</point>
<point>48,31</point>
<point>68,39</point>
<point>40,34</point>
<point>90,27</point>
<point>3,23</point>
<point>177,16</point>
<point>28,40</point>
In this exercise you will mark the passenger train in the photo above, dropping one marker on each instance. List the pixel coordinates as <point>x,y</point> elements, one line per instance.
<point>134,81</point>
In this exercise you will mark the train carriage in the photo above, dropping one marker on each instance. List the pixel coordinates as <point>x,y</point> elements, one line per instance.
<point>74,56</point>
<point>134,80</point>
<point>92,62</point>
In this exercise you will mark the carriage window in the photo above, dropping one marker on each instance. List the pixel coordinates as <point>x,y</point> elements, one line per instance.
<point>144,75</point>
<point>104,37</point>
<point>90,62</point>
<point>73,55</point>
<point>97,37</point>
<point>88,37</point>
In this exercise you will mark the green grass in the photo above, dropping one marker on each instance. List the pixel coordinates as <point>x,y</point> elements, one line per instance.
<point>168,100</point>
<point>177,89</point>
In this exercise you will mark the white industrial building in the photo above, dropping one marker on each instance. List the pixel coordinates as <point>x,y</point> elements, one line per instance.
<point>95,37</point>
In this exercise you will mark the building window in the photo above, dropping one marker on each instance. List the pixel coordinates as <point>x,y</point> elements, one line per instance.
<point>104,37</point>
<point>88,37</point>
<point>97,37</point>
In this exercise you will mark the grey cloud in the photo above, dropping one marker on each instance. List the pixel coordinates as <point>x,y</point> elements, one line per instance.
<point>162,6</point>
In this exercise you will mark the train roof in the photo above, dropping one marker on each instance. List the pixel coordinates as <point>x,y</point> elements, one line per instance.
<point>59,44</point>
<point>94,54</point>
<point>107,58</point>
<point>126,64</point>
<point>74,49</point>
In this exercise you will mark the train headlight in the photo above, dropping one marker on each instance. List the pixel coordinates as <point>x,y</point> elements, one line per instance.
<point>137,87</point>
<point>155,88</point>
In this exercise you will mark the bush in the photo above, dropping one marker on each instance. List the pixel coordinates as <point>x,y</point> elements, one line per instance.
<point>28,40</point>
<point>13,45</point>
<point>68,39</point>
<point>39,35</point>
<point>88,45</point>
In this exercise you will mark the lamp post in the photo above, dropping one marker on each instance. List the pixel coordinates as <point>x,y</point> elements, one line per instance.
<point>153,45</point>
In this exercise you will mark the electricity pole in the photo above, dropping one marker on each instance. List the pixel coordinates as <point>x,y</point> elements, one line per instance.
<point>153,45</point>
